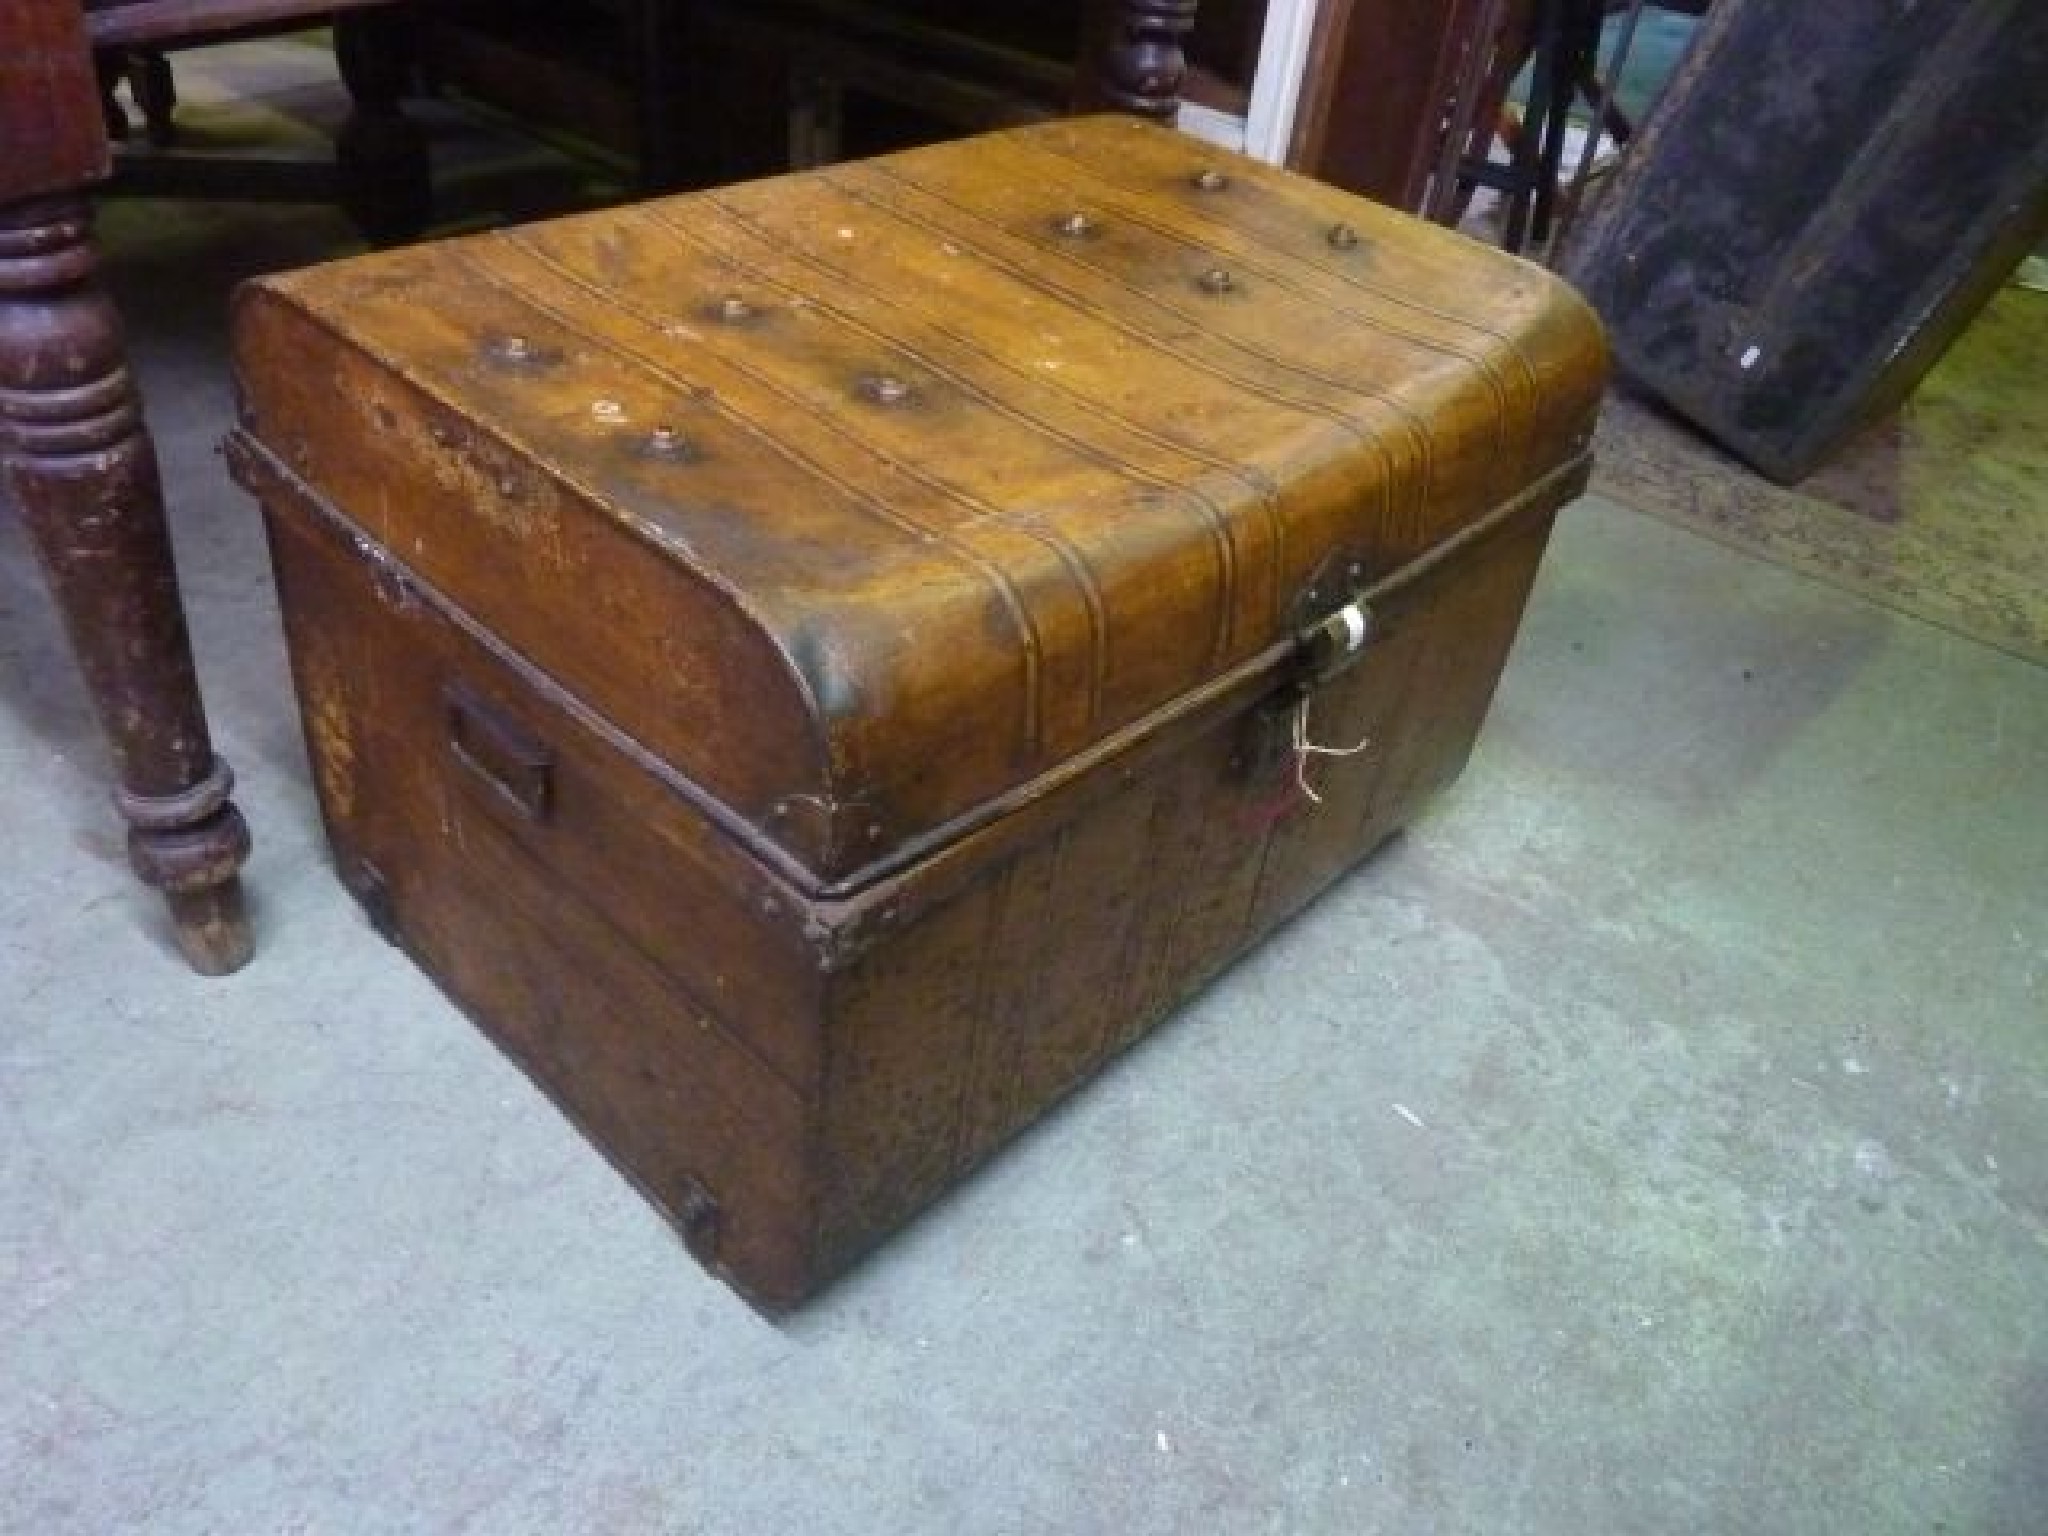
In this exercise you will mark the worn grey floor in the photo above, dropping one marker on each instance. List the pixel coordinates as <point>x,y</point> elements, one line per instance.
<point>1656,1139</point>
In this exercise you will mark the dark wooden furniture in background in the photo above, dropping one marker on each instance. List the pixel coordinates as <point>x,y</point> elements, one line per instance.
<point>379,171</point>
<point>1823,198</point>
<point>936,71</point>
<point>616,75</point>
<point>699,92</point>
<point>83,472</point>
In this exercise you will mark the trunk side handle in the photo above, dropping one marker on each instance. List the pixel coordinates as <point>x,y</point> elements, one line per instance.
<point>504,754</point>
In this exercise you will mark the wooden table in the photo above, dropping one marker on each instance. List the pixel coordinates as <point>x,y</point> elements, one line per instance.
<point>83,470</point>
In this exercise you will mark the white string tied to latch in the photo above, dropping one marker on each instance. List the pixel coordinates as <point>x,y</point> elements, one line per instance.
<point>1304,749</point>
<point>1334,644</point>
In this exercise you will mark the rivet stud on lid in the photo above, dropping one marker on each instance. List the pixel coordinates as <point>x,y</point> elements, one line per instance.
<point>518,352</point>
<point>667,443</point>
<point>1074,225</point>
<point>1209,179</point>
<point>1218,280</point>
<point>885,389</point>
<point>1343,237</point>
<point>732,309</point>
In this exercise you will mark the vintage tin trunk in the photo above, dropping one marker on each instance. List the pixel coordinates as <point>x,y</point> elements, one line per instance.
<point>813,668</point>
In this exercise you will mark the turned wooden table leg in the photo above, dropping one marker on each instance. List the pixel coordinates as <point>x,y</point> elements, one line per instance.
<point>83,471</point>
<point>1141,66</point>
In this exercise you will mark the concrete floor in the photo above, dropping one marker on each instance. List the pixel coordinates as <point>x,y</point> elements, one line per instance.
<point>1655,1139</point>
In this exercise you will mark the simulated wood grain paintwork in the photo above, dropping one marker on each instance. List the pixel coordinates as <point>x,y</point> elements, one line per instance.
<point>1028,484</point>
<point>833,778</point>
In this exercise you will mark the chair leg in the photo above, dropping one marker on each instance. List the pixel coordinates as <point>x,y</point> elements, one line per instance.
<point>386,181</point>
<point>84,473</point>
<point>111,66</point>
<point>156,92</point>
<point>1608,116</point>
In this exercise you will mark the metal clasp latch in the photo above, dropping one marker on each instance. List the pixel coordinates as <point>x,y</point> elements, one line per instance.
<point>1274,735</point>
<point>1332,644</point>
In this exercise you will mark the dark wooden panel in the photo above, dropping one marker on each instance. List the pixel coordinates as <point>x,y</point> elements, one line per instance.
<point>1823,198</point>
<point>1381,75</point>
